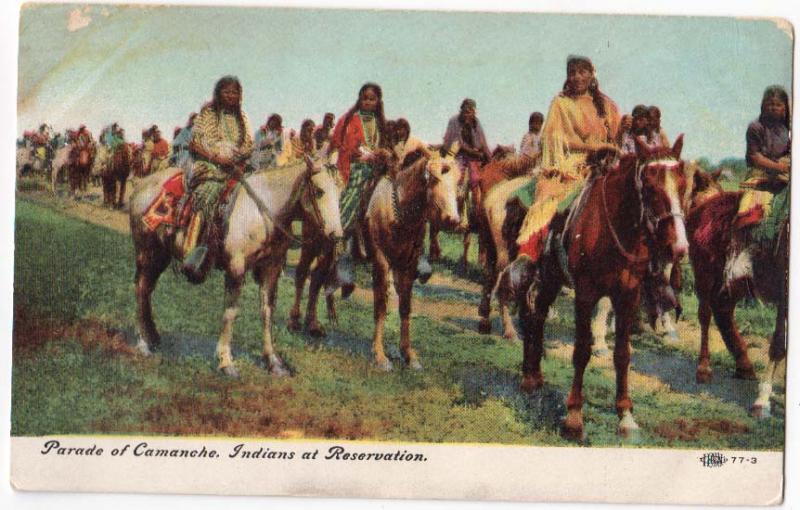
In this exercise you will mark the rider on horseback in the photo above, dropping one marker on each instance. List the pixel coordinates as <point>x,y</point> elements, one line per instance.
<point>765,202</point>
<point>473,151</point>
<point>221,144</point>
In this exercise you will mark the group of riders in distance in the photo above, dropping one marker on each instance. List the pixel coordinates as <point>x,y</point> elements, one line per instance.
<point>594,199</point>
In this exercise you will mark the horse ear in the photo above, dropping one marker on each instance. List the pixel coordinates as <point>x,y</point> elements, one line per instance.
<point>716,174</point>
<point>642,150</point>
<point>677,147</point>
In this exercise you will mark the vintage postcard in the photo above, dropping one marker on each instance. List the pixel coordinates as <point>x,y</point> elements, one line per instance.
<point>401,254</point>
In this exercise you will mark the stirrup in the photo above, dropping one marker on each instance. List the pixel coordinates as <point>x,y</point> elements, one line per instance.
<point>193,264</point>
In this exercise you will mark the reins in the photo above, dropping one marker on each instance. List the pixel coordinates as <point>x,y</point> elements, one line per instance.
<point>630,257</point>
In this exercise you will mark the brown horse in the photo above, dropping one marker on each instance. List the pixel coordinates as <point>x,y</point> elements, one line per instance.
<point>710,228</point>
<point>395,225</point>
<point>137,160</point>
<point>115,176</point>
<point>319,248</point>
<point>81,158</point>
<point>630,215</point>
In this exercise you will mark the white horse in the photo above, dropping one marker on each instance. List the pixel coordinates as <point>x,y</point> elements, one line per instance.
<point>257,238</point>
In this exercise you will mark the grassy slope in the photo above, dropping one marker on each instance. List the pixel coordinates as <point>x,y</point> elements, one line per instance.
<point>72,374</point>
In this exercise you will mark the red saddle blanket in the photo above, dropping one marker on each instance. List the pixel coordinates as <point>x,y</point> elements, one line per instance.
<point>164,208</point>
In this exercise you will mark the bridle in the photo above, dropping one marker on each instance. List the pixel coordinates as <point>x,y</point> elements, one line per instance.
<point>646,217</point>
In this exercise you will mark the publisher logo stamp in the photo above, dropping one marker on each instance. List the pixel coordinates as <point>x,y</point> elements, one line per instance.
<point>713,459</point>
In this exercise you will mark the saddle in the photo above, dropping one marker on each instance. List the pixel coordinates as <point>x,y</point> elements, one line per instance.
<point>172,208</point>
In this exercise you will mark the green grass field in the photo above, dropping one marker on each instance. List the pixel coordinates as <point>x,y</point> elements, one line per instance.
<point>74,371</point>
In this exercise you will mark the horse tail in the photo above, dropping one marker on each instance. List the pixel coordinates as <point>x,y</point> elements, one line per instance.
<point>512,224</point>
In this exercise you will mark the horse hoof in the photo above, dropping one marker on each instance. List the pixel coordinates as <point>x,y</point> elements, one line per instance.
<point>316,331</point>
<point>672,337</point>
<point>143,348</point>
<point>602,352</point>
<point>279,371</point>
<point>347,289</point>
<point>384,366</point>
<point>230,372</point>
<point>628,428</point>
<point>511,337</point>
<point>293,325</point>
<point>485,327</point>
<point>760,412</point>
<point>531,383</point>
<point>414,364</point>
<point>573,432</point>
<point>746,373</point>
<point>704,376</point>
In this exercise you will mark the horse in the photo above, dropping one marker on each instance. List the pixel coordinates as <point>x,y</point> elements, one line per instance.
<point>395,234</point>
<point>320,248</point>
<point>81,158</point>
<point>29,163</point>
<point>256,239</point>
<point>115,176</point>
<point>499,179</point>
<point>471,203</point>
<point>701,185</point>
<point>60,167</point>
<point>137,160</point>
<point>631,214</point>
<point>710,235</point>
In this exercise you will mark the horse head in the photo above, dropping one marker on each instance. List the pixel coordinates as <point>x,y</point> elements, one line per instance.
<point>662,185</point>
<point>442,175</point>
<point>320,199</point>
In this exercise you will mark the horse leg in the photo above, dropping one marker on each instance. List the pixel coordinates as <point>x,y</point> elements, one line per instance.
<point>533,333</point>
<point>704,371</point>
<point>233,288</point>
<point>324,267</point>
<point>489,264</point>
<point>600,327</point>
<point>573,423</point>
<point>626,306</point>
<point>403,283</point>
<point>268,293</point>
<point>723,310</point>
<point>300,274</point>
<point>777,353</point>
<point>123,181</point>
<point>149,266</point>
<point>380,286</point>
<point>434,250</point>
<point>465,253</point>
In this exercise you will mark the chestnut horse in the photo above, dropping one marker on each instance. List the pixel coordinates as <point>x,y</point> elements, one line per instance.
<point>631,215</point>
<point>257,238</point>
<point>115,176</point>
<point>395,231</point>
<point>81,158</point>
<point>710,227</point>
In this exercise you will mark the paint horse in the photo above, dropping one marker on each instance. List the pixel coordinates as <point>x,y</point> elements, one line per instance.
<point>395,225</point>
<point>256,239</point>
<point>632,214</point>
<point>710,232</point>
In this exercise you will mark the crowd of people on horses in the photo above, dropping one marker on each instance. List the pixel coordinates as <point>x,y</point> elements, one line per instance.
<point>565,155</point>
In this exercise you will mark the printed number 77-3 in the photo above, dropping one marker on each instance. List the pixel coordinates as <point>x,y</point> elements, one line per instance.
<point>742,460</point>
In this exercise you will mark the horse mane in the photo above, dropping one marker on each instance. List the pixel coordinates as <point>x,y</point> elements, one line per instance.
<point>502,151</point>
<point>709,223</point>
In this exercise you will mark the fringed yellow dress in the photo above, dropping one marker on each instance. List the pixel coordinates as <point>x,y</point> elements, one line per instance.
<point>570,120</point>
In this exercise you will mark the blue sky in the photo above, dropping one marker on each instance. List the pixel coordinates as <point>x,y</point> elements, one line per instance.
<point>144,65</point>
